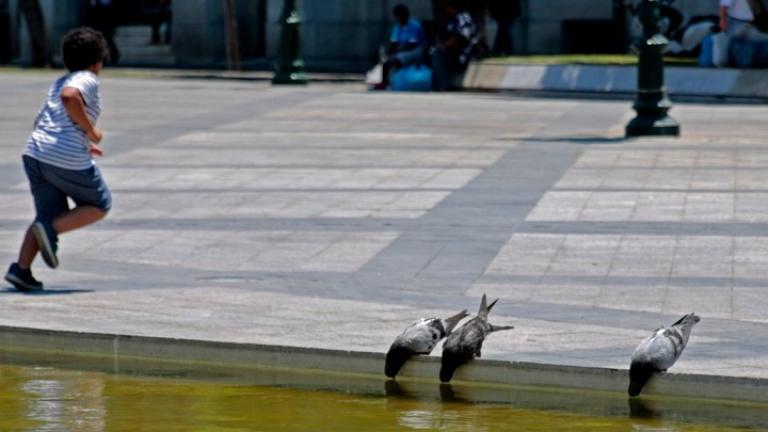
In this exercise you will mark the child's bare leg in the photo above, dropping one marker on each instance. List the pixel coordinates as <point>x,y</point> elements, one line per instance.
<point>78,217</point>
<point>28,251</point>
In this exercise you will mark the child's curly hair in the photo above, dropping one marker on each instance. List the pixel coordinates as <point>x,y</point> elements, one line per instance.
<point>82,48</point>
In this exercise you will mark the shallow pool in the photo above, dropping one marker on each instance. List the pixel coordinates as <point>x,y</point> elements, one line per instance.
<point>43,398</point>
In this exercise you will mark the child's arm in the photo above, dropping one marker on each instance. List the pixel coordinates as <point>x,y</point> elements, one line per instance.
<point>73,103</point>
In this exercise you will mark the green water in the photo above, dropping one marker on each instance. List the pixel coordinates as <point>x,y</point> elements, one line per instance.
<point>50,399</point>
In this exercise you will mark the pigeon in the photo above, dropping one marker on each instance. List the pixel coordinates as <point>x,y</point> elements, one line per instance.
<point>467,342</point>
<point>658,352</point>
<point>420,338</point>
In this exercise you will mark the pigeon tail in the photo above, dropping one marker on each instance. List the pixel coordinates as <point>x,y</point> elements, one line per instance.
<point>485,308</point>
<point>495,328</point>
<point>453,321</point>
<point>396,358</point>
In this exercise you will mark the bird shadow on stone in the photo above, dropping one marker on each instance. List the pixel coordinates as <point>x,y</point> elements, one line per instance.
<point>448,393</point>
<point>46,292</point>
<point>393,389</point>
<point>642,409</point>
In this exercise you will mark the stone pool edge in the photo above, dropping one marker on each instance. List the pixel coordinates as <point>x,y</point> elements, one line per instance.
<point>485,372</point>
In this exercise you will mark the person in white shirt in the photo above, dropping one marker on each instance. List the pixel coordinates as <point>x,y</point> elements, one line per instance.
<point>738,20</point>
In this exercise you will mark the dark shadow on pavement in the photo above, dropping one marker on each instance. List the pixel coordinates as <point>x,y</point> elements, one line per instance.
<point>569,139</point>
<point>46,292</point>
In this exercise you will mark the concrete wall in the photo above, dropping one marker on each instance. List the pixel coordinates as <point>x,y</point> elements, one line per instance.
<point>198,29</point>
<point>60,17</point>
<point>544,20</point>
<point>698,7</point>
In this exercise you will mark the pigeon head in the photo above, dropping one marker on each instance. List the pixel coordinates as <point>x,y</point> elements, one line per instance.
<point>450,361</point>
<point>639,374</point>
<point>396,358</point>
<point>690,319</point>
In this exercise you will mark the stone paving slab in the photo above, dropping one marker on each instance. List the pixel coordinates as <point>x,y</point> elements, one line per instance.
<point>329,217</point>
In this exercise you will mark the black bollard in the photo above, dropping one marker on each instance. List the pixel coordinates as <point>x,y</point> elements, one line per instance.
<point>290,69</point>
<point>652,103</point>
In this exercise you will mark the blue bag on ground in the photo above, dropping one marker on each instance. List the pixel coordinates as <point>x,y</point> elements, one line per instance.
<point>705,58</point>
<point>412,78</point>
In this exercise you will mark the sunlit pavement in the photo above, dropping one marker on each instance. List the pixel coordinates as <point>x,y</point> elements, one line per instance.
<point>330,217</point>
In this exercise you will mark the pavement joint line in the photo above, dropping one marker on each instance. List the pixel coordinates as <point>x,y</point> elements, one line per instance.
<point>406,166</point>
<point>627,280</point>
<point>729,191</point>
<point>687,228</point>
<point>114,347</point>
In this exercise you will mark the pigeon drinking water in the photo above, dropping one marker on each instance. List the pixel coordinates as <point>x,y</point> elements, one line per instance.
<point>467,342</point>
<point>658,352</point>
<point>420,338</point>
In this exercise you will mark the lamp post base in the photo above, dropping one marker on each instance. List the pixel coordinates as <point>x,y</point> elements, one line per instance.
<point>653,126</point>
<point>290,78</point>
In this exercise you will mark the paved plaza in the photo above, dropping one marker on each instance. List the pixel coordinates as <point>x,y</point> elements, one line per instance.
<point>330,217</point>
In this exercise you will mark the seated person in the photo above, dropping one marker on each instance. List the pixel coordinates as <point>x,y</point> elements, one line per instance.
<point>455,45</point>
<point>737,18</point>
<point>745,22</point>
<point>406,44</point>
<point>504,12</point>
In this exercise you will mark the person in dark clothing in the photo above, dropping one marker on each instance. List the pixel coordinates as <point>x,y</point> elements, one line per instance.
<point>159,13</point>
<point>504,12</point>
<point>101,16</point>
<point>407,44</point>
<point>407,40</point>
<point>454,47</point>
<point>5,32</point>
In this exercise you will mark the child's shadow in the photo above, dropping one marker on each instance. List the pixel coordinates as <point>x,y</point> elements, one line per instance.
<point>46,292</point>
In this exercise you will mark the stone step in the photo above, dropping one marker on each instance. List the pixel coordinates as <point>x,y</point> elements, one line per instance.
<point>127,50</point>
<point>134,35</point>
<point>154,61</point>
<point>136,50</point>
<point>142,31</point>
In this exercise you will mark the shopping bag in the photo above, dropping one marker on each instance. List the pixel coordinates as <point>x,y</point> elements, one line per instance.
<point>375,76</point>
<point>412,78</point>
<point>705,57</point>
<point>720,45</point>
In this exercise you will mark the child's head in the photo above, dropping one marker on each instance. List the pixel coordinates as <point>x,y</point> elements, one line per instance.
<point>84,49</point>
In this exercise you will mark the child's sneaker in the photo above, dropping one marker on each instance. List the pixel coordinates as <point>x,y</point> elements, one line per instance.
<point>47,241</point>
<point>22,279</point>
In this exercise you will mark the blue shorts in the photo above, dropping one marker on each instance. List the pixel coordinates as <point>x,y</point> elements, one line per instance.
<point>51,186</point>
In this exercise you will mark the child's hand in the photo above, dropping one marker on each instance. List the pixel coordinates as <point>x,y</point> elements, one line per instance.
<point>95,135</point>
<point>96,150</point>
